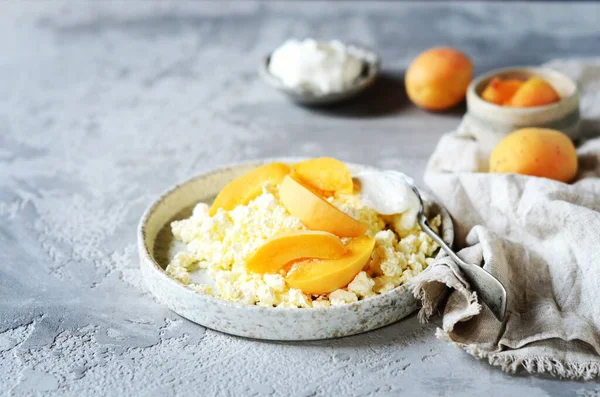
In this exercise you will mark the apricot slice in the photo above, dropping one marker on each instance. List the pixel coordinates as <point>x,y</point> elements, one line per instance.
<point>315,212</point>
<point>325,174</point>
<point>534,92</point>
<point>500,91</point>
<point>326,275</point>
<point>244,189</point>
<point>283,249</point>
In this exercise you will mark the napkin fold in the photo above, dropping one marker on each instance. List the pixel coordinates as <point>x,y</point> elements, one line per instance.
<point>539,237</point>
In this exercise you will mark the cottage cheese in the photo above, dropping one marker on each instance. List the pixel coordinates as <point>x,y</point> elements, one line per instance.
<point>220,245</point>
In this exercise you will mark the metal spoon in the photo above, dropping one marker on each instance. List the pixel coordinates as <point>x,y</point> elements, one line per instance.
<point>488,288</point>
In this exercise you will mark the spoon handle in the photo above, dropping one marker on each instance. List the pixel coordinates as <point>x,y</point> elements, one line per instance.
<point>488,288</point>
<point>435,237</point>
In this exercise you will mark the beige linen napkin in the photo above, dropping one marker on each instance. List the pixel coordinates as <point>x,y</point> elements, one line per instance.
<point>541,238</point>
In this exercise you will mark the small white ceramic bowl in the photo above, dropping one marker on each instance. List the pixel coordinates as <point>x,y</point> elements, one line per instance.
<point>489,122</point>
<point>155,238</point>
<point>370,70</point>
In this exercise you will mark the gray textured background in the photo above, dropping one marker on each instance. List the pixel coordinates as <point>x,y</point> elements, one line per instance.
<point>105,105</point>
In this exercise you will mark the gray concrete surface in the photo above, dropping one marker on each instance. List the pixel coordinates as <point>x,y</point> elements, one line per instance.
<point>106,104</point>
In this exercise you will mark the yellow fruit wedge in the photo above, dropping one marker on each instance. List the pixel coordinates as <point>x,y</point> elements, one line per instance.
<point>326,275</point>
<point>283,249</point>
<point>534,92</point>
<point>500,91</point>
<point>315,212</point>
<point>325,174</point>
<point>244,189</point>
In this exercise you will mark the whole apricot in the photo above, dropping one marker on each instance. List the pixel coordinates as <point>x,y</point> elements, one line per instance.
<point>438,78</point>
<point>500,91</point>
<point>538,152</point>
<point>535,92</point>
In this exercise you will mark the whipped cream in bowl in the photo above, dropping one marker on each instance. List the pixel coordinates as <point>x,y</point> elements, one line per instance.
<point>314,72</point>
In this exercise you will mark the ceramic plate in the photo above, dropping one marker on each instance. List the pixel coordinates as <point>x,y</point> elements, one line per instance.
<point>156,247</point>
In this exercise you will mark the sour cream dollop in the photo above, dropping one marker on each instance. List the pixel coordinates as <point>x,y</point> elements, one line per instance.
<point>318,67</point>
<point>388,193</point>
